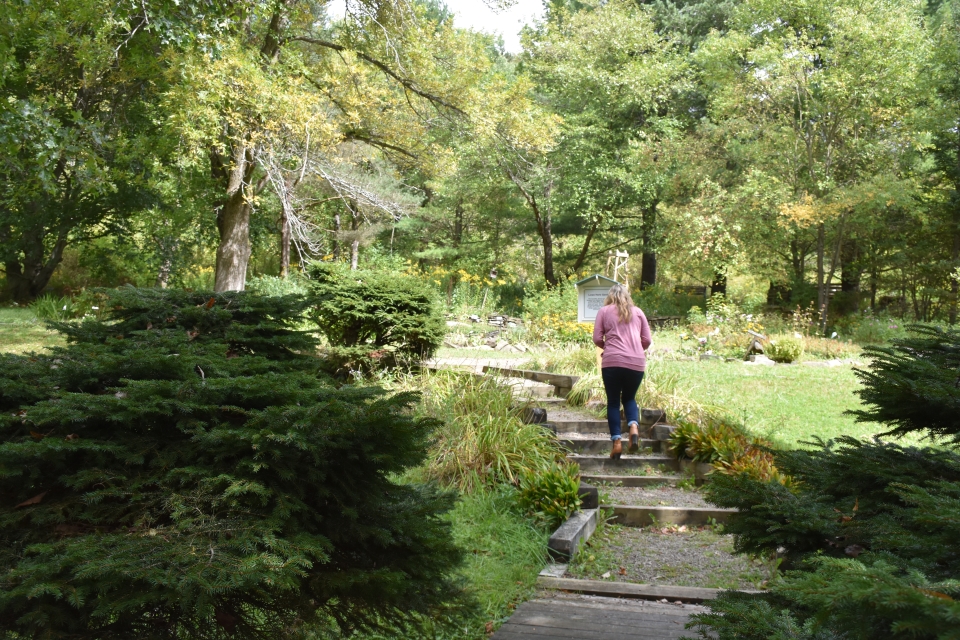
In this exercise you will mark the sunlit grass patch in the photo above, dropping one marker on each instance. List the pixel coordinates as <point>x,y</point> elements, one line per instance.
<point>21,332</point>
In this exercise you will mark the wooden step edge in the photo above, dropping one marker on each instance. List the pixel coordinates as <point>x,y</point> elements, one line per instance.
<point>643,516</point>
<point>629,481</point>
<point>630,590</point>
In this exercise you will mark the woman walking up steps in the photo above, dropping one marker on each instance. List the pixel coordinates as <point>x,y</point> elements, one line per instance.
<point>622,331</point>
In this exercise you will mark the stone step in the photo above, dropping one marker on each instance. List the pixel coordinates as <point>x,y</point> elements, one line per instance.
<point>601,445</point>
<point>629,481</point>
<point>636,516</point>
<point>597,463</point>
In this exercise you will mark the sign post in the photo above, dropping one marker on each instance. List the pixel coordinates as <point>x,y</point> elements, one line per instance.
<point>591,292</point>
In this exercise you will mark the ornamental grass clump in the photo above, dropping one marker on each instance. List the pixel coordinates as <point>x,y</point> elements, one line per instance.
<point>867,531</point>
<point>784,348</point>
<point>484,441</point>
<point>183,470</point>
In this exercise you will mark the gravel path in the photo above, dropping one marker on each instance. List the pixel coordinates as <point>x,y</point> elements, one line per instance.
<point>685,558</point>
<point>655,496</point>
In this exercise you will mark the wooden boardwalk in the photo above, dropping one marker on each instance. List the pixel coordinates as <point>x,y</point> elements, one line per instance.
<point>569,617</point>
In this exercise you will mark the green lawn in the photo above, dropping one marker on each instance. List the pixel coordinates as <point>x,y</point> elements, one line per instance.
<point>21,332</point>
<point>787,403</point>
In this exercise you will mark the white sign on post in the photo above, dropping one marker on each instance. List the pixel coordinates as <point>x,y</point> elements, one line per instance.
<point>591,292</point>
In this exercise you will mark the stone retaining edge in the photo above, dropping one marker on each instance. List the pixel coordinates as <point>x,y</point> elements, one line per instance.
<point>566,539</point>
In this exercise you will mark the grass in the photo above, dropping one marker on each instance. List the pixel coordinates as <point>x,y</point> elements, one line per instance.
<point>21,332</point>
<point>505,552</point>
<point>786,403</point>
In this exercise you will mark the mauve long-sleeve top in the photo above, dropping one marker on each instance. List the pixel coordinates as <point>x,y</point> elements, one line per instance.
<point>624,344</point>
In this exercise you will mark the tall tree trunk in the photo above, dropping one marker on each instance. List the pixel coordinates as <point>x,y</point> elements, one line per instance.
<point>355,244</point>
<point>284,242</point>
<point>719,284</point>
<point>586,246</point>
<point>336,237</point>
<point>544,229</point>
<point>233,254</point>
<point>457,241</point>
<point>797,260</point>
<point>850,271</point>
<point>824,310</point>
<point>27,279</point>
<point>822,293</point>
<point>648,261</point>
<point>163,274</point>
<point>955,285</point>
<point>235,173</point>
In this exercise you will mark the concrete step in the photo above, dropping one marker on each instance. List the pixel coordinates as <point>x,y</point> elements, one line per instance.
<point>597,463</point>
<point>628,481</point>
<point>635,516</point>
<point>601,445</point>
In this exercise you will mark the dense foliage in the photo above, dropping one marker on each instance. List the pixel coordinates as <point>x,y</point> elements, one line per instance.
<point>184,470</point>
<point>866,530</point>
<point>372,317</point>
<point>803,151</point>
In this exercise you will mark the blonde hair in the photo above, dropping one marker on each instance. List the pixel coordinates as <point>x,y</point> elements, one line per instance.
<point>619,295</point>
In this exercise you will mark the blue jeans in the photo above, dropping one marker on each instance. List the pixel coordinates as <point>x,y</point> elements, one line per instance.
<point>621,385</point>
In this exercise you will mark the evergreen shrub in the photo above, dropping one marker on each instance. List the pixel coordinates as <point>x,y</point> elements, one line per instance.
<point>374,319</point>
<point>868,531</point>
<point>183,470</point>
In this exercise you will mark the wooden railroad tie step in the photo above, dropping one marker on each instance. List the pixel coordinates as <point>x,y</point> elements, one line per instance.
<point>597,463</point>
<point>562,384</point>
<point>629,481</point>
<point>636,516</point>
<point>630,590</point>
<point>599,445</point>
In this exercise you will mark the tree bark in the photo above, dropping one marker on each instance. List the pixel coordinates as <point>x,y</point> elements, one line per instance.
<point>543,229</point>
<point>336,237</point>
<point>586,246</point>
<point>850,272</point>
<point>27,280</point>
<point>822,293</point>
<point>355,244</point>
<point>955,286</point>
<point>284,242</point>
<point>233,254</point>
<point>824,310</point>
<point>648,261</point>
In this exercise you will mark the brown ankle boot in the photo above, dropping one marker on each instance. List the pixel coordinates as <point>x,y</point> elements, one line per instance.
<point>634,437</point>
<point>617,450</point>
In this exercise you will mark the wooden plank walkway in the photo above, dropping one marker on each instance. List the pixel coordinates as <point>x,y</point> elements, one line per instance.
<point>566,617</point>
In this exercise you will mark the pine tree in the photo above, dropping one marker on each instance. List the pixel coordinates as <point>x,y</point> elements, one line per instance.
<point>867,531</point>
<point>182,470</point>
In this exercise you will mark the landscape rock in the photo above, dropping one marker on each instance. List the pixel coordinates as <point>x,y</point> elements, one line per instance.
<point>760,359</point>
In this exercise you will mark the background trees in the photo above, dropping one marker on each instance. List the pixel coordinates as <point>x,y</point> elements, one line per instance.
<point>715,141</point>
